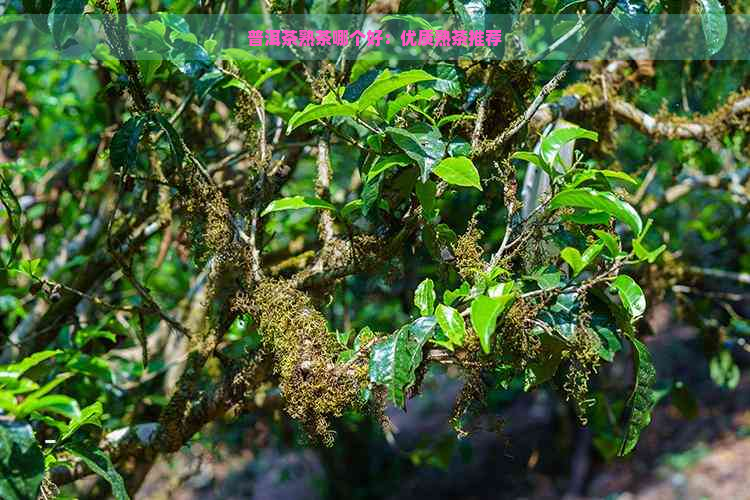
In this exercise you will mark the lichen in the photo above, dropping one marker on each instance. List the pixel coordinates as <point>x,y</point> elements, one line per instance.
<point>313,386</point>
<point>468,251</point>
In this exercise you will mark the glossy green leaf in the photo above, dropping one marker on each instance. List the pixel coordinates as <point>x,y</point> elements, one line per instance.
<point>424,297</point>
<point>642,399</point>
<point>425,147</point>
<point>555,140</point>
<point>451,323</point>
<point>606,202</point>
<point>91,415</point>
<point>393,360</point>
<point>610,241</point>
<point>484,314</point>
<point>63,19</point>
<point>297,202</point>
<point>12,215</point>
<point>53,403</point>
<point>123,150</point>
<point>319,112</point>
<point>563,315</point>
<point>608,175</point>
<point>714,21</point>
<point>15,370</point>
<point>458,171</point>
<point>388,82</point>
<point>577,261</point>
<point>21,462</point>
<point>630,294</point>
<point>450,296</point>
<point>98,461</point>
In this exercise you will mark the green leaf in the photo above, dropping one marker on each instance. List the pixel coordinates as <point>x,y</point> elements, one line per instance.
<point>471,13</point>
<point>452,324</point>
<point>17,369</point>
<point>425,147</point>
<point>296,202</point>
<point>642,399</point>
<point>450,296</point>
<point>424,297</point>
<point>426,192</point>
<point>91,415</point>
<point>610,241</point>
<point>123,150</point>
<point>98,461</point>
<point>534,159</point>
<point>13,214</point>
<point>386,163</point>
<point>606,202</point>
<point>630,294</point>
<point>393,360</point>
<point>546,278</point>
<point>387,82</point>
<point>64,18</point>
<point>40,9</point>
<point>552,143</point>
<point>593,174</point>
<point>724,372</point>
<point>714,23</point>
<point>562,316</point>
<point>318,112</point>
<point>21,462</point>
<point>415,21</point>
<point>579,262</point>
<point>86,335</point>
<point>634,16</point>
<point>458,171</point>
<point>484,314</point>
<point>55,403</point>
<point>609,342</point>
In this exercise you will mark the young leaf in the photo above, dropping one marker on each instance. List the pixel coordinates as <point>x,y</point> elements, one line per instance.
<point>458,171</point>
<point>90,415</point>
<point>450,296</point>
<point>387,82</point>
<point>630,294</point>
<point>606,202</point>
<point>579,262</point>
<point>296,202</point>
<point>714,22</point>
<point>642,400</point>
<point>610,241</point>
<point>424,297</point>
<point>15,370</point>
<point>723,370</point>
<point>534,159</point>
<point>318,112</point>
<point>552,143</point>
<point>452,324</point>
<point>484,314</point>
<point>98,461</point>
<point>21,462</point>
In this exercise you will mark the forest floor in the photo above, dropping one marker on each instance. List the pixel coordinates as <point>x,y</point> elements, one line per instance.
<point>677,459</point>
